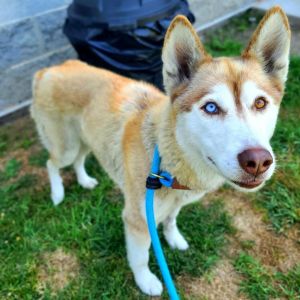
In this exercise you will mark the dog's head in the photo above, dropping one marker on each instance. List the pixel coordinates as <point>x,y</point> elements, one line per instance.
<point>226,108</point>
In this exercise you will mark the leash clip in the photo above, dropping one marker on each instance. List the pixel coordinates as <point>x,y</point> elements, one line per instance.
<point>153,182</point>
<point>156,181</point>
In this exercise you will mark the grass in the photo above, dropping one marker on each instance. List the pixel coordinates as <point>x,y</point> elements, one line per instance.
<point>263,284</point>
<point>11,169</point>
<point>88,224</point>
<point>38,158</point>
<point>258,281</point>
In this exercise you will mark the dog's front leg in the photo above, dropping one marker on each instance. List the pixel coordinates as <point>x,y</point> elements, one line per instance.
<point>172,233</point>
<point>138,244</point>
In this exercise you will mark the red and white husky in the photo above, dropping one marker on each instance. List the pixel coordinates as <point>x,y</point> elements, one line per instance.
<point>213,126</point>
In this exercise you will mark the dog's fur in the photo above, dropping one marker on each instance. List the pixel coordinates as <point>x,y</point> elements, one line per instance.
<point>78,108</point>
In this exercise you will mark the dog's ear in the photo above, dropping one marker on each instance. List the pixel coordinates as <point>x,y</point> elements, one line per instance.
<point>270,44</point>
<point>182,53</point>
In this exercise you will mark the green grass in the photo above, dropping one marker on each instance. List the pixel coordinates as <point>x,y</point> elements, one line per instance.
<point>89,225</point>
<point>39,158</point>
<point>223,47</point>
<point>258,281</point>
<point>22,138</point>
<point>262,284</point>
<point>11,169</point>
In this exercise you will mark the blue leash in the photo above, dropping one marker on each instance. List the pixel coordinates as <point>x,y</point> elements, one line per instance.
<point>155,180</point>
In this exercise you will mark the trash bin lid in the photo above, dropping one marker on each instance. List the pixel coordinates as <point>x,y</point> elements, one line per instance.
<point>117,14</point>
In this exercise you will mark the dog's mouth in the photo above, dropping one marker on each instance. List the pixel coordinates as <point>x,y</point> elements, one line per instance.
<point>248,184</point>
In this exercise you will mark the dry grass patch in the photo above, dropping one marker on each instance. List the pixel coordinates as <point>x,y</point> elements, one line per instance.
<point>56,271</point>
<point>273,250</point>
<point>22,156</point>
<point>222,283</point>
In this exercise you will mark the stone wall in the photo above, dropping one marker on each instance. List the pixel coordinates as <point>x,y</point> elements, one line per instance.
<point>30,38</point>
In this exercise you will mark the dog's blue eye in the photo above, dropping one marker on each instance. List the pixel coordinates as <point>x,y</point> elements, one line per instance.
<point>211,108</point>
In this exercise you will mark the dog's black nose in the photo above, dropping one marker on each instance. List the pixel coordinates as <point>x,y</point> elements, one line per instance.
<point>255,161</point>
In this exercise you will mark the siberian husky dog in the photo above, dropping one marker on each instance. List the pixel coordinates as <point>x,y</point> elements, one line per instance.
<point>213,126</point>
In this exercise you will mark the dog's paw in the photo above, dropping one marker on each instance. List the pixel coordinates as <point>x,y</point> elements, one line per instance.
<point>149,283</point>
<point>176,240</point>
<point>57,196</point>
<point>88,182</point>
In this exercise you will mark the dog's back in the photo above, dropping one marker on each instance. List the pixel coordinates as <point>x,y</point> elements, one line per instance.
<point>68,102</point>
<point>69,87</point>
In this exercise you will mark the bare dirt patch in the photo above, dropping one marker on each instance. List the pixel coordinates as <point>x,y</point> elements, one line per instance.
<point>222,283</point>
<point>56,271</point>
<point>22,155</point>
<point>13,133</point>
<point>18,133</point>
<point>273,250</point>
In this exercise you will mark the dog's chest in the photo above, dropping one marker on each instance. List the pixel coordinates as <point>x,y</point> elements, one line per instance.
<point>169,202</point>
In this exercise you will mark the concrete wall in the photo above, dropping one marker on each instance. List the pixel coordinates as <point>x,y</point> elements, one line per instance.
<point>30,38</point>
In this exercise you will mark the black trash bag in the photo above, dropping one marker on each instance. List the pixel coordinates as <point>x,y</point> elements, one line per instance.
<point>128,43</point>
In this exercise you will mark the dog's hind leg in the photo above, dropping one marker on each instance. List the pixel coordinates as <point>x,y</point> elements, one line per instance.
<point>60,137</point>
<point>82,177</point>
<point>172,233</point>
<point>61,156</point>
<point>56,182</point>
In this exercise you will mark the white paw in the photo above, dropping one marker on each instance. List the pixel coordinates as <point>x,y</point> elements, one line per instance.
<point>57,195</point>
<point>176,240</point>
<point>88,182</point>
<point>149,283</point>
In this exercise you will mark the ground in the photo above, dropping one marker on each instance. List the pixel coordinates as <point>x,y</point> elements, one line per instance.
<point>242,246</point>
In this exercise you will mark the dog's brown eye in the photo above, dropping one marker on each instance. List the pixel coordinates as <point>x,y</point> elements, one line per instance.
<point>260,103</point>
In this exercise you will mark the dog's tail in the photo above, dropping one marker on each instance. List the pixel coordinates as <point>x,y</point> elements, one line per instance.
<point>37,77</point>
<point>36,80</point>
